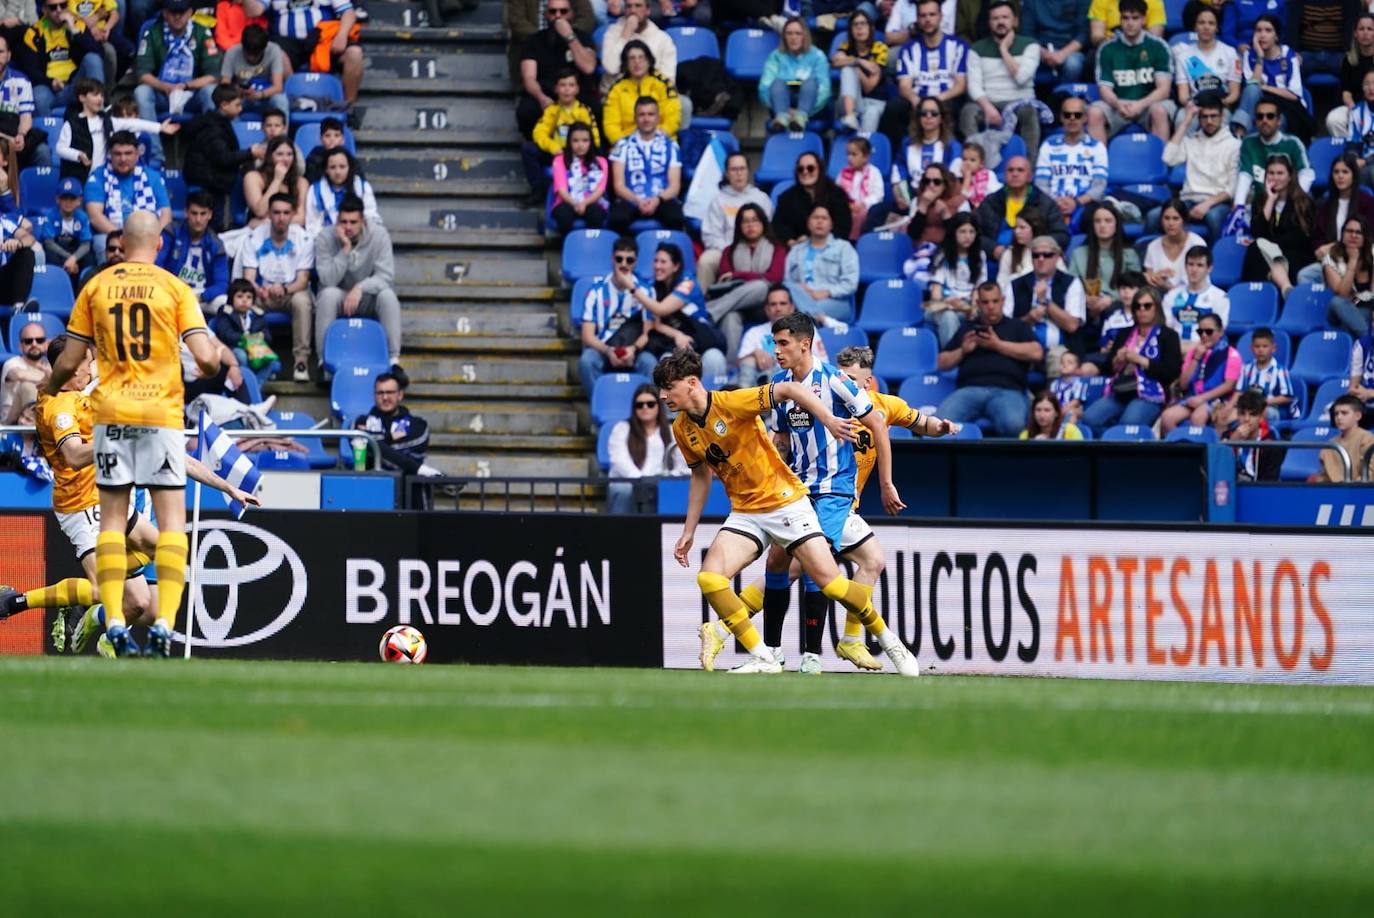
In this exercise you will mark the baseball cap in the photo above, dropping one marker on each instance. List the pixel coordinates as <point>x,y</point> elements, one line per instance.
<point>176,6</point>
<point>69,188</point>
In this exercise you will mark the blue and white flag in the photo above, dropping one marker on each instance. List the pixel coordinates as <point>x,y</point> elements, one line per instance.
<point>217,450</point>
<point>706,180</point>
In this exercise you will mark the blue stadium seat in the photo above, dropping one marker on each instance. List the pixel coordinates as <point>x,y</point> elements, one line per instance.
<point>648,242</point>
<point>1253,304</point>
<point>281,460</point>
<point>692,42</point>
<point>176,192</point>
<point>579,295</point>
<point>780,152</point>
<point>1178,175</point>
<point>1322,153</point>
<point>52,326</point>
<point>1173,15</point>
<point>925,392</point>
<point>891,303</point>
<point>1086,91</point>
<point>1301,464</point>
<point>612,394</point>
<point>249,132</point>
<point>746,50</point>
<point>1228,259</point>
<point>603,452</point>
<point>881,159</point>
<point>905,352</point>
<point>1097,388</point>
<point>587,253</point>
<point>52,288</point>
<point>1159,192</point>
<point>969,431</point>
<point>1127,433</point>
<point>320,455</point>
<point>38,188</point>
<point>1305,309</point>
<point>350,393</point>
<point>900,433</point>
<point>1189,433</point>
<point>778,190</point>
<point>1322,355</point>
<point>314,85</point>
<point>308,138</point>
<point>1319,410</point>
<point>1134,159</point>
<point>1085,430</point>
<point>354,342</point>
<point>834,343</point>
<point>1283,347</point>
<point>881,255</point>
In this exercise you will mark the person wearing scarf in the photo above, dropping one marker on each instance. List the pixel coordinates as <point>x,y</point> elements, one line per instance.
<point>1144,359</point>
<point>340,180</point>
<point>177,68</point>
<point>120,187</point>
<point>1209,376</point>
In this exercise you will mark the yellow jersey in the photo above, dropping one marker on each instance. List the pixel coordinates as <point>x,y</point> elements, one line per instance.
<point>732,438</point>
<point>136,315</point>
<point>896,413</point>
<point>58,418</point>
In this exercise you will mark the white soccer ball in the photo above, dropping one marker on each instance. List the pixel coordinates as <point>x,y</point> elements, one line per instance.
<point>403,644</point>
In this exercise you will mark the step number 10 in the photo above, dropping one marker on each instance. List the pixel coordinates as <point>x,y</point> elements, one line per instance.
<point>431,119</point>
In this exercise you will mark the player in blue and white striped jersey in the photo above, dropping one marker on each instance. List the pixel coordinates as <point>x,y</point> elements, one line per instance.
<point>291,22</point>
<point>1072,168</point>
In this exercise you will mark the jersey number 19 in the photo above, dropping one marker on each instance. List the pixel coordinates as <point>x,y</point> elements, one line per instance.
<point>134,339</point>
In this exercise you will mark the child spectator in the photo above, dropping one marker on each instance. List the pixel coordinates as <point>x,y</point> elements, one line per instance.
<point>1253,463</point>
<point>1346,413</point>
<point>979,181</point>
<point>1268,377</point>
<point>959,268</point>
<point>1184,305</point>
<point>331,139</point>
<point>66,233</point>
<point>213,158</point>
<point>86,131</point>
<point>1210,373</point>
<point>579,182</point>
<point>1360,133</point>
<point>1048,421</point>
<point>340,180</point>
<point>243,329</point>
<point>258,68</point>
<point>195,254</point>
<point>1068,387</point>
<point>551,133</point>
<point>861,181</point>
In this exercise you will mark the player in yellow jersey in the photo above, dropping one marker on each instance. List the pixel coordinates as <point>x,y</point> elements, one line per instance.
<point>137,316</point>
<point>723,432</point>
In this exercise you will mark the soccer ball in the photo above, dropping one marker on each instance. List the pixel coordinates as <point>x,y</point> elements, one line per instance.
<point>403,644</point>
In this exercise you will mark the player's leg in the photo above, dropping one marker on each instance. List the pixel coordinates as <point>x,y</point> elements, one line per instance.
<point>832,511</point>
<point>861,548</point>
<point>756,598</point>
<point>732,549</point>
<point>110,568</point>
<point>169,560</point>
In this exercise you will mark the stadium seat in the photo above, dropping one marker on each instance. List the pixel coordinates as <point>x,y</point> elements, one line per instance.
<point>314,86</point>
<point>1127,433</point>
<point>891,303</point>
<point>603,452</point>
<point>648,242</point>
<point>1305,309</point>
<point>881,158</point>
<point>1319,410</point>
<point>778,190</point>
<point>1283,347</point>
<point>905,352</point>
<point>1323,152</point>
<point>969,432</point>
<point>1134,159</point>
<point>746,50</point>
<point>1173,16</point>
<point>52,326</point>
<point>1322,355</point>
<point>1253,304</point>
<point>308,138</point>
<point>587,253</point>
<point>354,342</point>
<point>692,42</point>
<point>38,188</point>
<point>350,393</point>
<point>900,433</point>
<point>52,288</point>
<point>281,460</point>
<point>1085,430</point>
<point>1301,464</point>
<point>1228,259</point>
<point>780,152</point>
<point>834,343</point>
<point>176,192</point>
<point>1159,192</point>
<point>1192,433</point>
<point>925,392</point>
<point>1086,91</point>
<point>611,396</point>
<point>881,255</point>
<point>319,455</point>
<point>249,132</point>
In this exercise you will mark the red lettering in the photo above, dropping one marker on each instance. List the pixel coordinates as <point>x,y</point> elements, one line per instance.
<point>1099,606</point>
<point>1181,568</point>
<point>1154,608</point>
<point>1285,571</point>
<point>1321,571</point>
<point>1213,628</point>
<point>1249,616</point>
<point>1067,628</point>
<point>1128,567</point>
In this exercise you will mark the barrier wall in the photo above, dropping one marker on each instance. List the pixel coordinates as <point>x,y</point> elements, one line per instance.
<point>1176,603</point>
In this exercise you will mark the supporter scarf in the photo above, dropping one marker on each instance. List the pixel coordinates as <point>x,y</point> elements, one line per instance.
<point>1210,368</point>
<point>583,179</point>
<point>328,198</point>
<point>144,198</point>
<point>1147,389</point>
<point>1367,370</point>
<point>180,63</point>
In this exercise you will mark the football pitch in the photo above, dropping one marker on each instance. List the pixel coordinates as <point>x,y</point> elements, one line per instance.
<point>250,789</point>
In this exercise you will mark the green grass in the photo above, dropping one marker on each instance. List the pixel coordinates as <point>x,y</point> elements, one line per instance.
<point>252,789</point>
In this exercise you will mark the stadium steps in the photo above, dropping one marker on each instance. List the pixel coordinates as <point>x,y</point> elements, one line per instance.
<point>457,172</point>
<point>500,418</point>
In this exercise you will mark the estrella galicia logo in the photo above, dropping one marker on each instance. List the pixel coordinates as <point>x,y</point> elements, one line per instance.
<point>248,570</point>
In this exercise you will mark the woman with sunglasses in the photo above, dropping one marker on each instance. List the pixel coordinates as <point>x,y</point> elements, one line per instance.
<point>795,84</point>
<point>1348,272</point>
<point>862,60</point>
<point>752,263</point>
<point>1345,198</point>
<point>1144,360</point>
<point>680,315</point>
<point>813,187</point>
<point>822,272</point>
<point>641,446</point>
<point>929,142</point>
<point>1210,373</point>
<point>1281,222</point>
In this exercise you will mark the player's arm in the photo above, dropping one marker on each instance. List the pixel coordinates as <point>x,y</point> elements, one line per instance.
<point>697,492</point>
<point>788,391</point>
<point>199,471</point>
<point>67,363</point>
<point>202,348</point>
<point>77,452</point>
<point>877,426</point>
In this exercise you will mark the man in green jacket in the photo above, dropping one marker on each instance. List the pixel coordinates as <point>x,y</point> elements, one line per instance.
<point>177,67</point>
<point>1135,72</point>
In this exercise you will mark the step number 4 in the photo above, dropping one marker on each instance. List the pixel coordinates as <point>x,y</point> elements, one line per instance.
<point>431,119</point>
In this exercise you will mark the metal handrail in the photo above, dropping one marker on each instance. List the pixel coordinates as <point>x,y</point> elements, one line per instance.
<point>1293,444</point>
<point>504,500</point>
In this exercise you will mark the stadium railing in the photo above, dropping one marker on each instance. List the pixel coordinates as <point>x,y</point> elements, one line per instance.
<point>523,495</point>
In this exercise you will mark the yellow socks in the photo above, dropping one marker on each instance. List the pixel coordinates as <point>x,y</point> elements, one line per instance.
<point>752,597</point>
<point>171,575</point>
<point>730,608</point>
<point>853,627</point>
<point>109,575</point>
<point>857,598</point>
<point>135,561</point>
<point>76,591</point>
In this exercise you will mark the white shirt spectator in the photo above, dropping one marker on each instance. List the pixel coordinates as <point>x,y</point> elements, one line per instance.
<point>279,264</point>
<point>760,338</point>
<point>1206,71</point>
<point>1157,260</point>
<point>658,461</point>
<point>1183,308</point>
<point>1212,163</point>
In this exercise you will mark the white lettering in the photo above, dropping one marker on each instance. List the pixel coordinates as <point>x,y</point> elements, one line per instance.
<point>408,591</point>
<point>355,590</point>
<point>559,597</point>
<point>529,618</point>
<point>601,597</point>
<point>448,593</point>
<point>487,570</point>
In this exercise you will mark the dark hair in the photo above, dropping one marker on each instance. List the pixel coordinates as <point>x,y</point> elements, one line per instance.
<point>1351,160</point>
<point>85,86</point>
<point>1212,316</point>
<point>631,45</point>
<point>284,198</point>
<point>778,287</point>
<point>225,92</point>
<point>854,48</point>
<point>55,348</point>
<point>680,364</point>
<point>625,244</point>
<point>1209,100</point>
<point>1198,251</point>
<point>254,39</point>
<point>331,124</point>
<point>862,143</point>
<point>123,139</point>
<point>563,74</point>
<point>1045,395</point>
<point>759,212</point>
<point>589,160</point>
<point>1252,401</point>
<point>1136,279</point>
<point>274,113</point>
<point>268,171</point>
<point>995,4</point>
<point>387,377</point>
<point>1263,333</point>
<point>1038,228</point>
<point>798,324</point>
<point>914,126</point>
<point>1131,6</point>
<point>1195,8</point>
<point>636,441</point>
<point>1267,100</point>
<point>1118,244</point>
<point>1353,55</point>
<point>825,186</point>
<point>200,198</point>
<point>352,165</point>
<point>818,205</point>
<point>1297,199</point>
<point>351,204</point>
<point>729,156</point>
<point>239,285</point>
<point>1178,207</point>
<point>949,249</point>
<point>1365,264</point>
<point>114,236</point>
<point>1264,17</point>
<point>674,253</point>
<point>988,287</point>
<point>646,100</point>
<point>1349,401</point>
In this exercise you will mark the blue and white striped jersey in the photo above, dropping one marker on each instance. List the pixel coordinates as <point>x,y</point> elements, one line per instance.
<point>1271,380</point>
<point>1069,170</point>
<point>932,70</point>
<point>825,465</point>
<point>295,18</point>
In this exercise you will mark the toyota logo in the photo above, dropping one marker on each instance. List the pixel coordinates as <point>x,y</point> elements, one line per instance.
<point>234,574</point>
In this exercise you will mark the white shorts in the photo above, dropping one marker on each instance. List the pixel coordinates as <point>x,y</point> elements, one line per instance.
<point>856,532</point>
<point>153,457</point>
<point>787,526</point>
<point>83,526</point>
